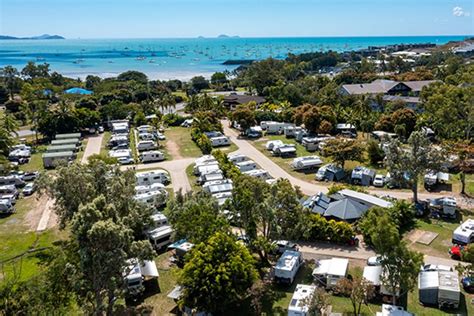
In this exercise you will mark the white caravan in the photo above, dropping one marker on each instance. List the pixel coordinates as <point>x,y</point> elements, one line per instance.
<point>277,127</point>
<point>258,173</point>
<point>152,156</point>
<point>136,273</point>
<point>236,158</point>
<point>146,145</point>
<point>151,177</point>
<point>154,198</point>
<point>273,143</point>
<point>329,271</point>
<point>287,266</point>
<point>142,189</point>
<point>464,233</point>
<point>206,169</point>
<point>299,304</point>
<point>246,165</point>
<point>306,163</point>
<point>220,141</point>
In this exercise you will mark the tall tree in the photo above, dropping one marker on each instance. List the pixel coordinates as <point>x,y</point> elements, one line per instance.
<point>340,150</point>
<point>10,75</point>
<point>217,275</point>
<point>407,165</point>
<point>358,289</point>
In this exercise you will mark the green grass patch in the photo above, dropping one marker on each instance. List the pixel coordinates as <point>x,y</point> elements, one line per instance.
<point>228,149</point>
<point>182,137</point>
<point>105,140</point>
<point>414,306</point>
<point>192,177</point>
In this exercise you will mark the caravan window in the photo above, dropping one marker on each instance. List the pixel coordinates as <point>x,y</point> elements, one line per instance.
<point>145,179</point>
<point>162,239</point>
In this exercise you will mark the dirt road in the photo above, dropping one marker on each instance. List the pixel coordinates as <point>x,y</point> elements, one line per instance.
<point>93,146</point>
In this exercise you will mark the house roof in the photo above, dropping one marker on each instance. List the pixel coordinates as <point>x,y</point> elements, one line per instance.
<point>346,209</point>
<point>243,99</point>
<point>384,86</point>
<point>365,199</point>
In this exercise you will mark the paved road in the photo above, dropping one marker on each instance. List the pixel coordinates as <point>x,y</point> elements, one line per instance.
<point>312,188</point>
<point>176,168</point>
<point>94,143</point>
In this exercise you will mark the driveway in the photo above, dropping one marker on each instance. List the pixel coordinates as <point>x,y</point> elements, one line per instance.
<point>246,148</point>
<point>94,142</point>
<point>176,168</point>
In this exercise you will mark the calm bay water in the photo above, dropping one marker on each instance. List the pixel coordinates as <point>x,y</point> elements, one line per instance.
<point>176,58</point>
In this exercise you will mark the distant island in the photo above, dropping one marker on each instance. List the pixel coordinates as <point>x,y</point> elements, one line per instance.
<point>227,36</point>
<point>40,37</point>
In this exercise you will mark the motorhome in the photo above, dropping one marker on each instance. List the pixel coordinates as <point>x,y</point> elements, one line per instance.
<point>205,160</point>
<point>236,158</point>
<point>258,173</point>
<point>51,160</point>
<point>291,131</point>
<point>146,145</point>
<point>152,156</point>
<point>68,136</point>
<point>120,153</point>
<point>306,163</point>
<point>151,177</point>
<point>362,176</point>
<point>246,165</point>
<point>136,273</point>
<point>329,271</point>
<point>146,136</point>
<point>117,140</point>
<point>145,128</point>
<point>206,169</point>
<point>14,180</point>
<point>220,141</point>
<point>300,301</point>
<point>181,248</point>
<point>142,189</point>
<point>6,206</point>
<point>264,124</point>
<point>19,154</point>
<point>160,236</point>
<point>287,266</point>
<point>464,233</point>
<point>272,143</point>
<point>120,128</point>
<point>285,150</point>
<point>330,172</point>
<point>277,127</point>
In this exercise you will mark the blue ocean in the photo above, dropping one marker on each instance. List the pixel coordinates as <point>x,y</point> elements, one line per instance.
<point>176,58</point>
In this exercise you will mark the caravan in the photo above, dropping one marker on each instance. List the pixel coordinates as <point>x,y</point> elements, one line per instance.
<point>464,233</point>
<point>6,206</point>
<point>152,156</point>
<point>329,271</point>
<point>218,186</point>
<point>300,301</point>
<point>153,198</point>
<point>277,127</point>
<point>258,173</point>
<point>206,169</point>
<point>236,158</point>
<point>142,189</point>
<point>246,165</point>
<point>146,145</point>
<point>136,273</point>
<point>219,141</point>
<point>306,163</point>
<point>151,177</point>
<point>12,180</point>
<point>287,266</point>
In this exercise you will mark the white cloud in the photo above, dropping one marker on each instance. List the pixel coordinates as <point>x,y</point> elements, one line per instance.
<point>458,11</point>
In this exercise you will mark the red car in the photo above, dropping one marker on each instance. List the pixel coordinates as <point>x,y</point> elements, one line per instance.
<point>455,251</point>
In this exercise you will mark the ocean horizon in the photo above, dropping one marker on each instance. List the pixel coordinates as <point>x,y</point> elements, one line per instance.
<point>180,58</point>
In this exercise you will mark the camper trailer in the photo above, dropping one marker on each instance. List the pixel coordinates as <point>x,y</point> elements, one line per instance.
<point>181,248</point>
<point>160,236</point>
<point>246,165</point>
<point>152,156</point>
<point>136,273</point>
<point>62,148</point>
<point>330,172</point>
<point>205,169</point>
<point>272,143</point>
<point>277,127</point>
<point>362,176</point>
<point>329,271</point>
<point>287,266</point>
<point>154,198</point>
<point>306,163</point>
<point>431,179</point>
<point>254,132</point>
<point>299,304</point>
<point>207,177</point>
<point>285,150</point>
<point>444,206</point>
<point>236,158</point>
<point>218,186</point>
<point>464,233</point>
<point>142,189</point>
<point>220,141</point>
<point>50,160</point>
<point>151,177</point>
<point>222,197</point>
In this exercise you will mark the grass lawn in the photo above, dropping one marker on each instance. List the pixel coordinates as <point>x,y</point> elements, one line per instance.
<point>35,163</point>
<point>414,306</point>
<point>105,140</point>
<point>180,94</point>
<point>192,177</point>
<point>182,137</point>
<point>227,149</point>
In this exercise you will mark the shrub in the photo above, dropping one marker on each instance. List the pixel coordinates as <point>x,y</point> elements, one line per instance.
<point>329,230</point>
<point>173,119</point>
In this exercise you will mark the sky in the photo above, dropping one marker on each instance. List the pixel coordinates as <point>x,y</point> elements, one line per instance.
<point>245,18</point>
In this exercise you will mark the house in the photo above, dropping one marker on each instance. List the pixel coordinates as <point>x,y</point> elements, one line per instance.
<point>329,271</point>
<point>439,288</point>
<point>383,86</point>
<point>299,301</point>
<point>232,101</point>
<point>412,103</point>
<point>345,210</point>
<point>362,176</point>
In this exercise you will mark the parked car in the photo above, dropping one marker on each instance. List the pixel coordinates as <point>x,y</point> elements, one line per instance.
<point>100,129</point>
<point>283,245</point>
<point>120,146</point>
<point>161,136</point>
<point>468,284</point>
<point>374,261</point>
<point>29,189</point>
<point>30,176</point>
<point>126,160</point>
<point>379,180</point>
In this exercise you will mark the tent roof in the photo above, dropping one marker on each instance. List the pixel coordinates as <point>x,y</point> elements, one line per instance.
<point>346,209</point>
<point>78,91</point>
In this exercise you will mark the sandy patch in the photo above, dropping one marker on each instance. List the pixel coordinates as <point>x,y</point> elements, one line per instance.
<point>173,150</point>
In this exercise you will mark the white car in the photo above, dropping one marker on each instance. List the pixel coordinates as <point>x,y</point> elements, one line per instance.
<point>161,136</point>
<point>101,129</point>
<point>374,261</point>
<point>29,189</point>
<point>379,180</point>
<point>125,160</point>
